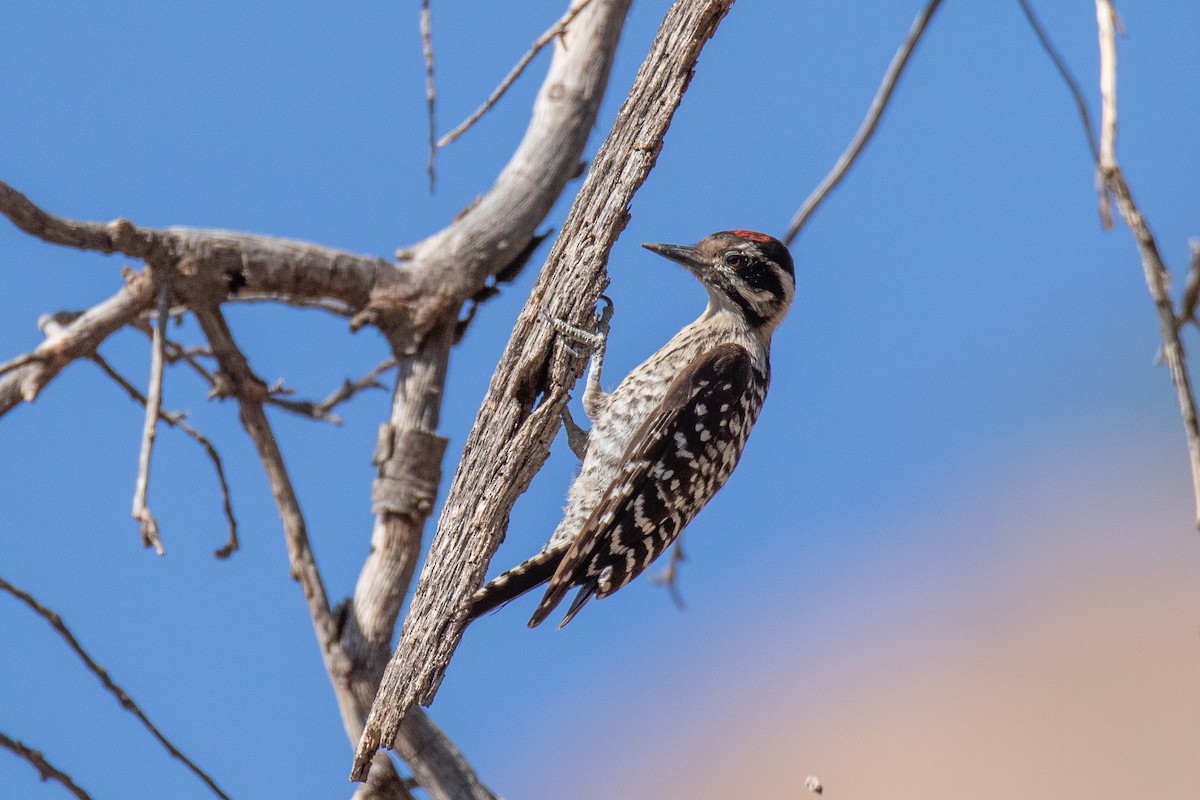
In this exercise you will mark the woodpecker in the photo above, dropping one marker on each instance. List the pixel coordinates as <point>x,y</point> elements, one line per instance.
<point>669,436</point>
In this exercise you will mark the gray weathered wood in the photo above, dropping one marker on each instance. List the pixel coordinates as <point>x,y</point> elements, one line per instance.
<point>520,413</point>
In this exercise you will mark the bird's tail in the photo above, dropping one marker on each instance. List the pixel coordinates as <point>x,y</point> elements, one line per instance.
<point>515,582</point>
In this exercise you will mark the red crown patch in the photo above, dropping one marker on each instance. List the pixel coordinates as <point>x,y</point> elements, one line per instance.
<point>753,236</point>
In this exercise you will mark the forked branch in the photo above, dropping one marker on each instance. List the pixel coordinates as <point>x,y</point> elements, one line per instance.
<point>1158,278</point>
<point>510,439</point>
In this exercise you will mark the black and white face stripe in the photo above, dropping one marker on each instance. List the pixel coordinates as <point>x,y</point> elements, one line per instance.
<point>751,270</point>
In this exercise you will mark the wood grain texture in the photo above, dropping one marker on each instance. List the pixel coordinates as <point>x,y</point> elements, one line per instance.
<point>520,414</point>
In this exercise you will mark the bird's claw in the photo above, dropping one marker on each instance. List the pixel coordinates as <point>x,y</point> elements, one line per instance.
<point>592,339</point>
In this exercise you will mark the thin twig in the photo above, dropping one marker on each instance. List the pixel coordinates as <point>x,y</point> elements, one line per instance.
<point>869,123</point>
<point>116,691</point>
<point>669,577</point>
<point>556,30</point>
<point>276,394</point>
<point>1191,291</point>
<point>430,88</point>
<point>1158,278</point>
<point>176,419</point>
<point>1072,84</point>
<point>141,511</point>
<point>46,770</point>
<point>309,409</point>
<point>175,352</point>
<point>350,388</point>
<point>239,381</point>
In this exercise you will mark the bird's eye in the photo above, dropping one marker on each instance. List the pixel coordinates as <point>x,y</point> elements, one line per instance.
<point>736,260</point>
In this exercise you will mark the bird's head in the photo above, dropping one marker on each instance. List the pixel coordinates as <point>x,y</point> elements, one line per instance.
<point>745,272</point>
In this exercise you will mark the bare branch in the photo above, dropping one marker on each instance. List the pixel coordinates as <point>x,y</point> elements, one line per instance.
<point>412,303</point>
<point>1191,291</point>
<point>141,511</point>
<point>350,388</point>
<point>176,352</point>
<point>237,380</point>
<point>510,439</point>
<point>669,577</point>
<point>127,703</point>
<point>869,123</point>
<point>1105,23</point>
<point>176,419</point>
<point>46,770</point>
<point>79,339</point>
<point>309,409</point>
<point>119,236</point>
<point>554,32</point>
<point>213,265</point>
<point>430,87</point>
<point>1158,278</point>
<point>1072,84</point>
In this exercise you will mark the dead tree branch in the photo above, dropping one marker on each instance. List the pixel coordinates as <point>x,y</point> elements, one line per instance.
<point>511,437</point>
<point>79,339</point>
<point>867,129</point>
<point>415,303</point>
<point>555,31</point>
<point>46,770</point>
<point>430,88</point>
<point>237,380</point>
<point>176,420</point>
<point>127,703</point>
<point>141,509</point>
<point>1158,278</point>
<point>482,243</point>
<point>1072,84</point>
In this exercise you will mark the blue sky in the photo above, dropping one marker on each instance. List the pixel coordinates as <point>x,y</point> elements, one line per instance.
<point>967,452</point>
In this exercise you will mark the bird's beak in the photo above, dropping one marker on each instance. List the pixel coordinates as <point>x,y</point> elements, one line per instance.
<point>687,256</point>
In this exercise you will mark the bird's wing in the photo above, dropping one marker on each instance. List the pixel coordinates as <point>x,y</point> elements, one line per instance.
<point>678,459</point>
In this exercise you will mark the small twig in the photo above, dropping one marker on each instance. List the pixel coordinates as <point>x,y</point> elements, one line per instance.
<point>430,88</point>
<point>1072,84</point>
<point>350,388</point>
<point>669,577</point>
<point>1158,278</point>
<point>276,394</point>
<point>1191,292</point>
<point>141,511</point>
<point>869,123</point>
<point>46,770</point>
<point>175,352</point>
<point>556,30</point>
<point>323,411</point>
<point>239,381</point>
<point>1105,24</point>
<point>176,419</point>
<point>309,409</point>
<point>116,691</point>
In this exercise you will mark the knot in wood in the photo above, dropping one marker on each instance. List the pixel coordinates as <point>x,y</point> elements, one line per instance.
<point>410,469</point>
